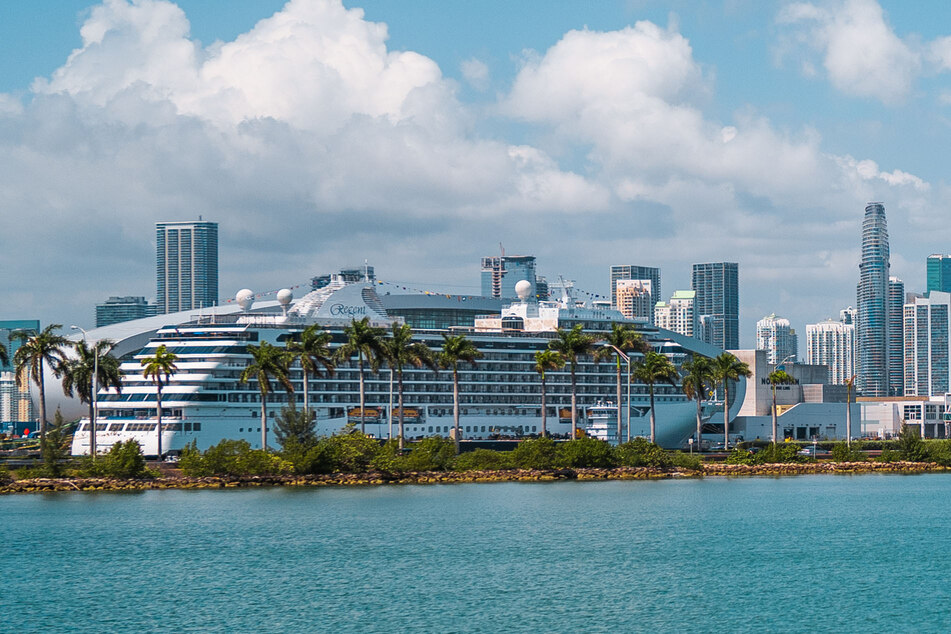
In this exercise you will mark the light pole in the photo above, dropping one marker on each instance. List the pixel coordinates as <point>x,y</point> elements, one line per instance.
<point>627,360</point>
<point>95,392</point>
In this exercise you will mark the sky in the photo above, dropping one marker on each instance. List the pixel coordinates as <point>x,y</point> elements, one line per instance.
<point>419,135</point>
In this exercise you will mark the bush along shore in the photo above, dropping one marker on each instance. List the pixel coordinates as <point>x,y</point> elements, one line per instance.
<point>352,458</point>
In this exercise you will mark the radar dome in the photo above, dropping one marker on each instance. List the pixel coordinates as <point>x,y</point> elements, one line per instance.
<point>523,289</point>
<point>284,296</point>
<point>245,298</point>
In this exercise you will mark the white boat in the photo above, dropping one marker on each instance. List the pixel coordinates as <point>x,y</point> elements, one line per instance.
<point>205,402</point>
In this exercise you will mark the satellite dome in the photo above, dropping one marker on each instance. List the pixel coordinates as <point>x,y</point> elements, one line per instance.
<point>523,289</point>
<point>245,298</point>
<point>284,296</point>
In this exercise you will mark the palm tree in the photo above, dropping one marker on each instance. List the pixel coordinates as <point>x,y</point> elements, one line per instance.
<point>456,349</point>
<point>698,375</point>
<point>93,368</point>
<point>35,351</point>
<point>547,361</point>
<point>364,341</point>
<point>160,364</point>
<point>726,368</point>
<point>400,350</point>
<point>4,355</point>
<point>655,367</point>
<point>623,338</point>
<point>778,377</point>
<point>312,350</point>
<point>267,362</point>
<point>849,384</point>
<point>572,344</point>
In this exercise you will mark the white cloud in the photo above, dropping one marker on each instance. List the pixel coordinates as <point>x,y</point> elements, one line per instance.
<point>476,72</point>
<point>860,51</point>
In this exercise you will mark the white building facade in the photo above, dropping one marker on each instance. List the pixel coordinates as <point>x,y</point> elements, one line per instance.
<point>927,345</point>
<point>778,339</point>
<point>832,343</point>
<point>635,299</point>
<point>679,314</point>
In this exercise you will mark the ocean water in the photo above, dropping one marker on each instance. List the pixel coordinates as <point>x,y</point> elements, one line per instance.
<point>799,554</point>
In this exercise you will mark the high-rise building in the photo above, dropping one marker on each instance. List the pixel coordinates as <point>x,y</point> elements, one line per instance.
<point>896,337</point>
<point>186,265</point>
<point>635,272</point>
<point>847,315</point>
<point>634,299</point>
<point>927,322</point>
<point>939,273</point>
<point>871,327</point>
<point>774,335</point>
<point>500,274</point>
<point>679,314</point>
<point>832,343</point>
<point>118,309</point>
<point>718,295</point>
<point>15,402</point>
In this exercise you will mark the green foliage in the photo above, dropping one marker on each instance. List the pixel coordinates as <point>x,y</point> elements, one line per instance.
<point>54,447</point>
<point>890,455</point>
<point>434,453</point>
<point>741,456</point>
<point>389,458</point>
<point>939,451</point>
<point>483,460</point>
<point>123,461</point>
<point>295,427</point>
<point>586,452</point>
<point>841,452</point>
<point>350,451</point>
<point>683,460</point>
<point>910,445</point>
<point>780,453</point>
<point>640,452</point>
<point>232,457</point>
<point>536,453</point>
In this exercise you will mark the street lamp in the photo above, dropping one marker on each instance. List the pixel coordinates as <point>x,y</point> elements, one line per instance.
<point>627,360</point>
<point>95,392</point>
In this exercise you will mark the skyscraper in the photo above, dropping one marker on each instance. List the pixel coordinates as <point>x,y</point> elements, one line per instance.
<point>896,337</point>
<point>500,274</point>
<point>634,299</point>
<point>939,273</point>
<point>15,402</point>
<point>186,265</point>
<point>832,343</point>
<point>118,309</point>
<point>718,296</point>
<point>871,327</point>
<point>679,314</point>
<point>635,272</point>
<point>927,321</point>
<point>774,335</point>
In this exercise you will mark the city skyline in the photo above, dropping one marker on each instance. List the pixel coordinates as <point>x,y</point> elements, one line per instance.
<point>737,132</point>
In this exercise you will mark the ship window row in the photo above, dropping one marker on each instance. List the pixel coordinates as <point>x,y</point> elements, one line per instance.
<point>106,398</point>
<point>117,427</point>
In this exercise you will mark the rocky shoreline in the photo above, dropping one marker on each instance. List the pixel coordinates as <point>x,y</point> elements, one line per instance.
<point>48,485</point>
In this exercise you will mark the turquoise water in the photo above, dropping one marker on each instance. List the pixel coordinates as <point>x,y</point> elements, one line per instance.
<point>846,553</point>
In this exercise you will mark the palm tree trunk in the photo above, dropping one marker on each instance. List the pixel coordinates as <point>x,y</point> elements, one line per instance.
<point>363,414</point>
<point>92,431</point>
<point>263,421</point>
<point>399,401</point>
<point>574,401</point>
<point>158,413</point>
<point>619,431</point>
<point>544,410</point>
<point>455,406</point>
<point>41,385</point>
<point>774,416</point>
<point>699,421</point>
<point>848,418</point>
<point>306,399</point>
<point>650,388</point>
<point>726,414</point>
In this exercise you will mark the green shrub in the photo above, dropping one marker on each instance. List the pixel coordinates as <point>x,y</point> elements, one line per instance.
<point>536,453</point>
<point>641,452</point>
<point>890,455</point>
<point>234,458</point>
<point>483,460</point>
<point>586,452</point>
<point>780,453</point>
<point>841,452</point>
<point>939,451</point>
<point>741,456</point>
<point>910,445</point>
<point>434,453</point>
<point>350,451</point>
<point>191,462</point>
<point>690,461</point>
<point>389,458</point>
<point>307,459</point>
<point>124,461</point>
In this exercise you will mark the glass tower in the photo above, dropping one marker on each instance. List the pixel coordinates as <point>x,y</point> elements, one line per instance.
<point>718,302</point>
<point>896,337</point>
<point>186,265</point>
<point>500,274</point>
<point>939,273</point>
<point>871,331</point>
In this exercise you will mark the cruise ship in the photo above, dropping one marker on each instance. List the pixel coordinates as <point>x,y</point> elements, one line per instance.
<point>500,394</point>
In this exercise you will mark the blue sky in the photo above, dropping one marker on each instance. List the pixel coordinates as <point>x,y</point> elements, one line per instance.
<point>589,134</point>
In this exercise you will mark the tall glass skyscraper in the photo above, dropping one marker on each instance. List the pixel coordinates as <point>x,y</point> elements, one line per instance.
<point>939,273</point>
<point>896,337</point>
<point>871,328</point>
<point>718,302</point>
<point>500,274</point>
<point>186,265</point>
